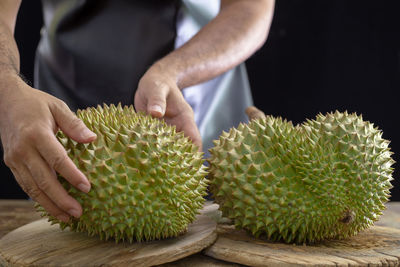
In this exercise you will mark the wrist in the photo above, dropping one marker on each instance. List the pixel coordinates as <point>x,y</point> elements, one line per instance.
<point>9,82</point>
<point>168,69</point>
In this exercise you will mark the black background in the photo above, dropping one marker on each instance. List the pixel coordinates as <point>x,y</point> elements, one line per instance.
<point>320,56</point>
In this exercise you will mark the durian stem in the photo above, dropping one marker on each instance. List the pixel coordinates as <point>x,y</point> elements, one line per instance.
<point>254,113</point>
<point>348,217</point>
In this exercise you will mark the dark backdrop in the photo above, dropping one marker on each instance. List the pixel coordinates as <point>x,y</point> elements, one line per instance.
<point>320,56</point>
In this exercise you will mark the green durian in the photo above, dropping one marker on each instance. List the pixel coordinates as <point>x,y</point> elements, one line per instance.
<point>327,178</point>
<point>148,181</point>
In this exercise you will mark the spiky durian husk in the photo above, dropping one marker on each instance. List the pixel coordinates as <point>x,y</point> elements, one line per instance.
<point>148,181</point>
<point>327,178</point>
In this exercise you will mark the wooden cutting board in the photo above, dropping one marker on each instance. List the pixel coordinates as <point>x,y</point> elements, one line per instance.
<point>377,246</point>
<point>41,244</point>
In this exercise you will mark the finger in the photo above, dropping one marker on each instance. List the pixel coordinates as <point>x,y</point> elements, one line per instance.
<point>187,125</point>
<point>46,180</point>
<point>254,113</point>
<point>71,125</point>
<point>157,101</point>
<point>140,102</point>
<point>20,179</point>
<point>57,159</point>
<point>190,129</point>
<point>24,178</point>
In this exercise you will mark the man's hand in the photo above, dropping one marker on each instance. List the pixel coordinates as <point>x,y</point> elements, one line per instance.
<point>29,120</point>
<point>240,28</point>
<point>159,96</point>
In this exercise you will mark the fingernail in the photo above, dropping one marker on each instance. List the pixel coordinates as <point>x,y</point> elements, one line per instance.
<point>84,187</point>
<point>63,218</point>
<point>74,213</point>
<point>156,108</point>
<point>86,133</point>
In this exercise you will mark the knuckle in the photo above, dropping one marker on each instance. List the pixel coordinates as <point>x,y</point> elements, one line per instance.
<point>43,185</point>
<point>34,192</point>
<point>17,153</point>
<point>190,113</point>
<point>75,123</point>
<point>58,104</point>
<point>7,158</point>
<point>38,137</point>
<point>29,136</point>
<point>58,161</point>
<point>28,133</point>
<point>62,203</point>
<point>61,104</point>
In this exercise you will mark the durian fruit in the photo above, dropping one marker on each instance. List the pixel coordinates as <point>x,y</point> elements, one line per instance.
<point>327,178</point>
<point>148,181</point>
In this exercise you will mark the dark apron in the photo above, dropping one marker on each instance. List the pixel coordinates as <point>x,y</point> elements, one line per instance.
<point>96,51</point>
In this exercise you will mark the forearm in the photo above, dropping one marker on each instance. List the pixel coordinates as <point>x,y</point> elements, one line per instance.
<point>9,55</point>
<point>238,31</point>
<point>9,64</point>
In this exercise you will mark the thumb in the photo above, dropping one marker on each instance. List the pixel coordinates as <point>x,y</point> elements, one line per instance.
<point>157,101</point>
<point>71,125</point>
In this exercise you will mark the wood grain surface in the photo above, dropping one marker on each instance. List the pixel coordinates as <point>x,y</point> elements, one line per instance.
<point>15,213</point>
<point>391,216</point>
<point>41,244</point>
<point>377,246</point>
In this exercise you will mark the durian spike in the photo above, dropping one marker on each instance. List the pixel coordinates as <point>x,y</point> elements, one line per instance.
<point>254,113</point>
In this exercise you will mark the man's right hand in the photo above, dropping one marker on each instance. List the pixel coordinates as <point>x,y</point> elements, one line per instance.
<point>29,120</point>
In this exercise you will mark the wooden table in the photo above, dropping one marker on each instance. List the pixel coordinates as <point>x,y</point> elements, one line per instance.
<point>15,213</point>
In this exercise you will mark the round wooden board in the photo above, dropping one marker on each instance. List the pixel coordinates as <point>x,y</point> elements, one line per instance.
<point>377,246</point>
<point>41,244</point>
